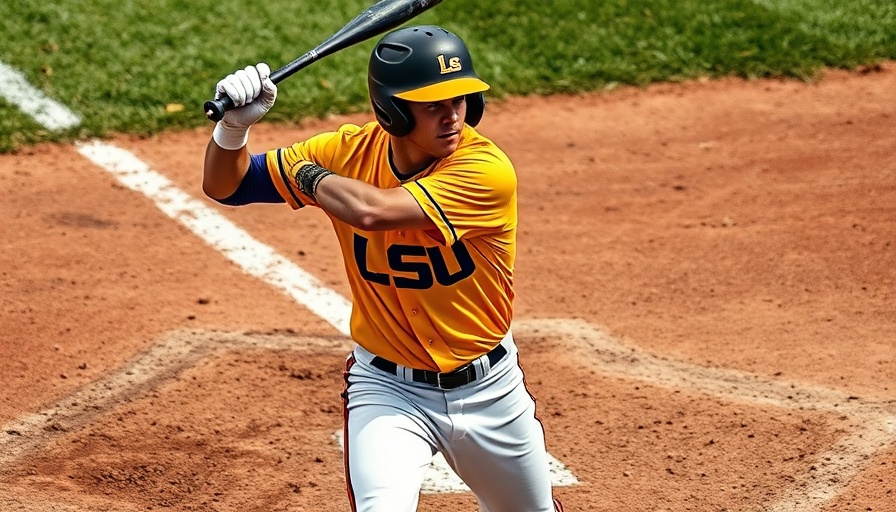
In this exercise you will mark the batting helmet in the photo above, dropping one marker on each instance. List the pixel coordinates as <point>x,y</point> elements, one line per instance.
<point>424,64</point>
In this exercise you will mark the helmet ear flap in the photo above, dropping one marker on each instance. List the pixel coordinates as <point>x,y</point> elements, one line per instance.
<point>395,118</point>
<point>404,123</point>
<point>475,108</point>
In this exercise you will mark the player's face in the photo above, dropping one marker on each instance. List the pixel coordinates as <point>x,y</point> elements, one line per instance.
<point>437,125</point>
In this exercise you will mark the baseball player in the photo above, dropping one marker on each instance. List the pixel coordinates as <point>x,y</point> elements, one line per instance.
<point>425,211</point>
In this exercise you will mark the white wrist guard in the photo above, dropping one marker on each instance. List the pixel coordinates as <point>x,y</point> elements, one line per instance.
<point>229,137</point>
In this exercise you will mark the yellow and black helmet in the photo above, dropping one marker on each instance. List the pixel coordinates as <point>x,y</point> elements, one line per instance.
<point>425,63</point>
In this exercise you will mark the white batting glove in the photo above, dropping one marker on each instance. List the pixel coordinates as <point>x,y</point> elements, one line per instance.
<point>253,94</point>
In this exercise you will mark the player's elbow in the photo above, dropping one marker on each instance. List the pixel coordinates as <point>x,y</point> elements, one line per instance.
<point>219,185</point>
<point>216,190</point>
<point>223,171</point>
<point>208,189</point>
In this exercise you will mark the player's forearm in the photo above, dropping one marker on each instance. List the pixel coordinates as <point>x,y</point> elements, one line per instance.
<point>351,201</point>
<point>370,208</point>
<point>223,171</point>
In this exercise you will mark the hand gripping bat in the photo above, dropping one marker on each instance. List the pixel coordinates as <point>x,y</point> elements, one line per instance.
<point>380,17</point>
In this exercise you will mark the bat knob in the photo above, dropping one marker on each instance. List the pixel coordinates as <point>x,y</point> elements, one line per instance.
<point>215,109</point>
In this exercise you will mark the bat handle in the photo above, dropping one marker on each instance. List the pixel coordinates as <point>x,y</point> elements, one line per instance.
<point>214,109</point>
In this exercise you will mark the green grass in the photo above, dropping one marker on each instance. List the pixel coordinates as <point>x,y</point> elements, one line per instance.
<point>126,66</point>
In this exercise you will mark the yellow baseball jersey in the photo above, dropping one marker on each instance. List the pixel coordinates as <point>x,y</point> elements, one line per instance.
<point>427,299</point>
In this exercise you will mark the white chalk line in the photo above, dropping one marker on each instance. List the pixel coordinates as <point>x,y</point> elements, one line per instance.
<point>16,89</point>
<point>254,257</point>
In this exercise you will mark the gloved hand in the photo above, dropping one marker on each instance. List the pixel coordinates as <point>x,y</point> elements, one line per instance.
<point>253,94</point>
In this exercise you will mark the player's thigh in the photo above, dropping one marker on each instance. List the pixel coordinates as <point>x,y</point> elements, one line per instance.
<point>503,458</point>
<point>512,478</point>
<point>387,452</point>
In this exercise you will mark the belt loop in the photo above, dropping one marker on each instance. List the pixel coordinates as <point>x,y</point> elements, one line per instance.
<point>483,366</point>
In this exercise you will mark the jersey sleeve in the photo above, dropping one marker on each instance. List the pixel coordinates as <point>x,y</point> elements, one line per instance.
<point>283,163</point>
<point>472,194</point>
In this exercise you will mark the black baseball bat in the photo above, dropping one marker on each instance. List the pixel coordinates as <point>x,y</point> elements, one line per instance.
<point>378,18</point>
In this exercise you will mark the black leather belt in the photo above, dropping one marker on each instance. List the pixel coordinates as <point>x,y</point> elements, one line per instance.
<point>447,380</point>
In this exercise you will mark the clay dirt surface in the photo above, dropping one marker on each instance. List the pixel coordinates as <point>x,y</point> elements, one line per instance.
<point>706,309</point>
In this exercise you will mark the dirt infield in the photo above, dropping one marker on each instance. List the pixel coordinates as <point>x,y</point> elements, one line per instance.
<point>706,313</point>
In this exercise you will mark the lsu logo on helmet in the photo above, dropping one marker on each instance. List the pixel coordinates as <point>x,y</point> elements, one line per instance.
<point>452,66</point>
